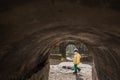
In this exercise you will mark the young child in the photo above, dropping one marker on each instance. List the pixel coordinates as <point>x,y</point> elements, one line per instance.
<point>76,60</point>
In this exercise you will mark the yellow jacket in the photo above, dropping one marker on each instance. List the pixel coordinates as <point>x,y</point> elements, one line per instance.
<point>77,57</point>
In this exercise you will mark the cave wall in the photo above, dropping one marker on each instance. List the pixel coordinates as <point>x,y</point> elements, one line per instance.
<point>29,29</point>
<point>41,74</point>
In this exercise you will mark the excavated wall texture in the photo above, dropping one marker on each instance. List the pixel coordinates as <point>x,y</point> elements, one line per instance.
<point>30,29</point>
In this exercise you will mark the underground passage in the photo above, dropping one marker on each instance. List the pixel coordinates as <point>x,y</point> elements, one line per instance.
<point>37,34</point>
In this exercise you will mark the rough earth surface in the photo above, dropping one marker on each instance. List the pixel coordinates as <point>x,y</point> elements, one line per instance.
<point>59,73</point>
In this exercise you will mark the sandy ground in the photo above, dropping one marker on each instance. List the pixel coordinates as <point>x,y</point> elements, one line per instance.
<point>59,73</point>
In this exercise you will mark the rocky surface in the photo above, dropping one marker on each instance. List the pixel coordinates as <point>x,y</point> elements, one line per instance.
<point>59,73</point>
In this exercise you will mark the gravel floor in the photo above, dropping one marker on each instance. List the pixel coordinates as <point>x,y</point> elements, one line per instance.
<point>59,73</point>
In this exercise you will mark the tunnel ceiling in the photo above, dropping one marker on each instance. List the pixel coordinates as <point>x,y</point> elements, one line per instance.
<point>29,29</point>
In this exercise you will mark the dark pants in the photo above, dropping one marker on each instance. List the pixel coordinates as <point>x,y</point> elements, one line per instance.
<point>76,67</point>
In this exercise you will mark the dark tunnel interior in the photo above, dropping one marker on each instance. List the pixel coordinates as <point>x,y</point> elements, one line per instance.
<point>30,29</point>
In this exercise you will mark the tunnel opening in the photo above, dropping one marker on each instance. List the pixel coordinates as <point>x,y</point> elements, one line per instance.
<point>57,44</point>
<point>69,51</point>
<point>38,65</point>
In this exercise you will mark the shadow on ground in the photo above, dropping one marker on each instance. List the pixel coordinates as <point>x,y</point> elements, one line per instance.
<point>78,77</point>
